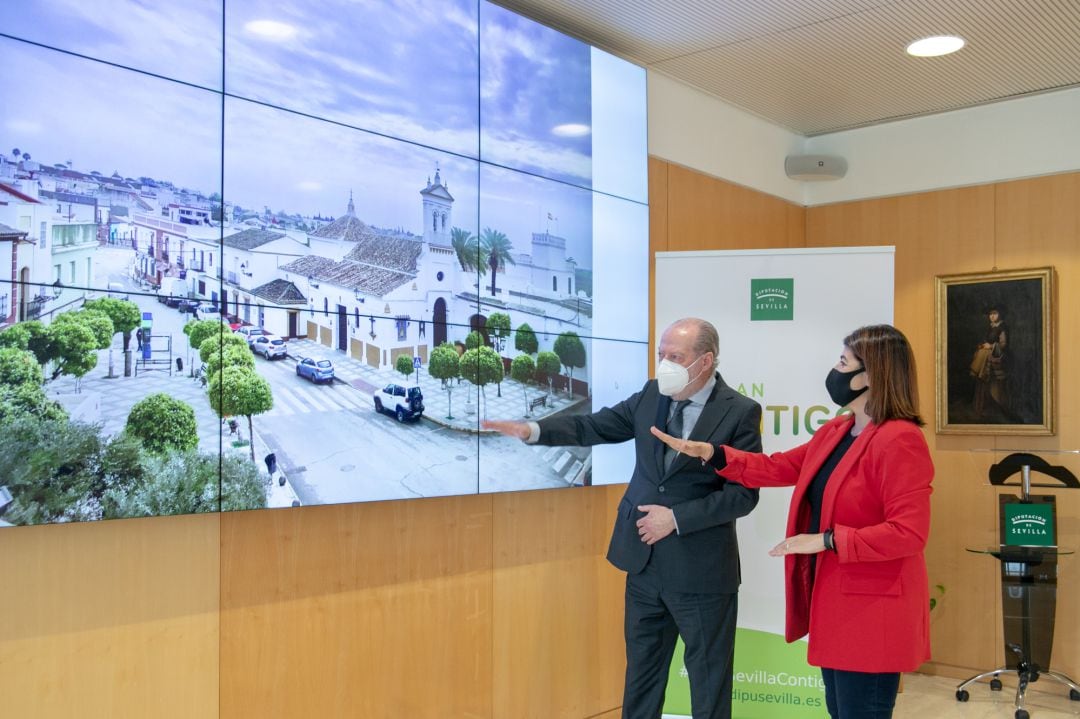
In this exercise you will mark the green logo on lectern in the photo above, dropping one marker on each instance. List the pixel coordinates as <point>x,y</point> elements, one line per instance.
<point>1029,525</point>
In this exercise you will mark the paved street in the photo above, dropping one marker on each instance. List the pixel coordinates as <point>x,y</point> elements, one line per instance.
<point>335,447</point>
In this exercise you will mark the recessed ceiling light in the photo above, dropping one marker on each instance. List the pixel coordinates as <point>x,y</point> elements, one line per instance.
<point>270,29</point>
<point>571,129</point>
<point>934,46</point>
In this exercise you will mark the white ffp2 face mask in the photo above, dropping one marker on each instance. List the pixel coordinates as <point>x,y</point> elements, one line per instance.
<point>672,377</point>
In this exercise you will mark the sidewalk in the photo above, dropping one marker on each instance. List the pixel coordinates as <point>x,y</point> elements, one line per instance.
<point>279,493</point>
<point>461,409</point>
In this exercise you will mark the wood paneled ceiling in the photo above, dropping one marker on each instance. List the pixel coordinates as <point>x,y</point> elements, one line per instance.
<point>820,66</point>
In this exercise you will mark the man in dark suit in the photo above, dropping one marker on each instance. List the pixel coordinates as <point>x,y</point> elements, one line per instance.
<point>674,534</point>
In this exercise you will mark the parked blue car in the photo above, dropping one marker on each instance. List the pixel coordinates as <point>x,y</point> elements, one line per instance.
<point>315,370</point>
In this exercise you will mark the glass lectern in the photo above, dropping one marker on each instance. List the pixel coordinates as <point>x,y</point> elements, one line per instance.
<point>1028,552</point>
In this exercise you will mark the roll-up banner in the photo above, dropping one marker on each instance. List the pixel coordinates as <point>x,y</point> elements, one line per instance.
<point>782,316</point>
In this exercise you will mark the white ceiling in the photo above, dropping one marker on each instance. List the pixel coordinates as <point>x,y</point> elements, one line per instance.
<point>820,66</point>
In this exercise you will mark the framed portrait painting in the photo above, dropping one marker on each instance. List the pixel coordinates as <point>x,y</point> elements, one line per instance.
<point>995,369</point>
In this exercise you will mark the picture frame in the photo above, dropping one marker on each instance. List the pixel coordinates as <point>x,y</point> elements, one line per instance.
<point>994,352</point>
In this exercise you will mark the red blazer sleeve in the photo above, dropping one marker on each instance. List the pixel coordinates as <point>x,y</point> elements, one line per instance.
<point>903,466</point>
<point>779,469</point>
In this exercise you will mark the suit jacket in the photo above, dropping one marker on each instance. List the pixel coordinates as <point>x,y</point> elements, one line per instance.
<point>868,607</point>
<point>703,556</point>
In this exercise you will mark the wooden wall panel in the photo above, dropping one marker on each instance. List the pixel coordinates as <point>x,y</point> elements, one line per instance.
<point>705,213</point>
<point>1038,224</point>
<point>367,610</point>
<point>110,619</point>
<point>558,647</point>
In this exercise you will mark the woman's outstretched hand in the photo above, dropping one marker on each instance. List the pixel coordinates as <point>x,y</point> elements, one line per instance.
<point>701,450</point>
<point>799,544</point>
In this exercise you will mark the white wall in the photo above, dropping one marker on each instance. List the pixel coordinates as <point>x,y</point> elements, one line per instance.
<point>696,130</point>
<point>1029,136</point>
<point>1026,137</point>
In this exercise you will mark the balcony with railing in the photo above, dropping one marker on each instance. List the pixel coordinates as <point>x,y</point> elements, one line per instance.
<point>36,304</point>
<point>72,237</point>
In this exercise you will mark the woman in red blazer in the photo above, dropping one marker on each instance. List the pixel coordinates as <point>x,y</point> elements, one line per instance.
<point>857,525</point>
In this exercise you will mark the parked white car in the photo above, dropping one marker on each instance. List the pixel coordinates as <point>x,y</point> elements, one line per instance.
<point>269,346</point>
<point>250,332</point>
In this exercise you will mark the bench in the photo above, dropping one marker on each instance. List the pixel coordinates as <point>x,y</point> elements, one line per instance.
<point>540,401</point>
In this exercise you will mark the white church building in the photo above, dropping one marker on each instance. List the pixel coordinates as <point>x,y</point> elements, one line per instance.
<point>378,294</point>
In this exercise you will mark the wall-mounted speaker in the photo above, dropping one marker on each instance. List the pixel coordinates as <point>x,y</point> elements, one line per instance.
<point>815,167</point>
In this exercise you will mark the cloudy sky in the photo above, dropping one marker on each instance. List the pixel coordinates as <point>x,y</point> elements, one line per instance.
<point>427,71</point>
<point>173,39</point>
<point>454,79</point>
<point>298,164</point>
<point>58,107</point>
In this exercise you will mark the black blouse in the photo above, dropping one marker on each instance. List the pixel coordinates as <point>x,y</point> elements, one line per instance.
<point>816,491</point>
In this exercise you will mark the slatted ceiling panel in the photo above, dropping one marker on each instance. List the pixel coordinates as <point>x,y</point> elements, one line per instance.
<point>817,79</point>
<point>647,31</point>
<point>817,67</point>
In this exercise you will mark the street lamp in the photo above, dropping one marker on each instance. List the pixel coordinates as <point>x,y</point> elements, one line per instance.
<point>57,289</point>
<point>311,281</point>
<point>359,296</point>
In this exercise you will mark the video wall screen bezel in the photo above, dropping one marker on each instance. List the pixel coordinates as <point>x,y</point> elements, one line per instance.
<point>263,184</point>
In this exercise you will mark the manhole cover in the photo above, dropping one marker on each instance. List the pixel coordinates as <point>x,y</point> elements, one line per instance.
<point>461,458</point>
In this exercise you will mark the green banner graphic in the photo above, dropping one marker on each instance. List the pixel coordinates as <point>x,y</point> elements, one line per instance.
<point>771,679</point>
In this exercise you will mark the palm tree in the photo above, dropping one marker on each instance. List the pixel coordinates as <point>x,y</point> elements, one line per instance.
<point>471,256</point>
<point>497,246</point>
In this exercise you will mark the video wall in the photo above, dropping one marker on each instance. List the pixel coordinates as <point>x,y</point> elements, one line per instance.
<point>277,254</point>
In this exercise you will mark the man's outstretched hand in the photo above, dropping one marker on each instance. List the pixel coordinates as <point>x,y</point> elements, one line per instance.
<point>520,430</point>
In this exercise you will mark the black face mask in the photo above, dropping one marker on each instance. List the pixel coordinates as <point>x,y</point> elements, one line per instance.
<point>839,386</point>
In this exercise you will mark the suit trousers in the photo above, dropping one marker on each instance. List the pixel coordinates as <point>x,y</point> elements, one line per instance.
<point>655,618</point>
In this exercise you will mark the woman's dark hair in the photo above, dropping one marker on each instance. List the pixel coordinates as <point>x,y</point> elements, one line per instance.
<point>890,367</point>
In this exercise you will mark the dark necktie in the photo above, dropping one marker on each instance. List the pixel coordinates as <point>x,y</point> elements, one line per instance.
<point>675,429</point>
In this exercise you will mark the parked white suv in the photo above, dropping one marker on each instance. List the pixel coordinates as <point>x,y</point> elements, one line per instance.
<point>269,346</point>
<point>402,402</point>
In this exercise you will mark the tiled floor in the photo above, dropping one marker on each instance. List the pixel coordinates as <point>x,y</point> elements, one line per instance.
<point>931,697</point>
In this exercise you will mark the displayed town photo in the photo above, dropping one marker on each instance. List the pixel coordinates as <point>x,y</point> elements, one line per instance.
<point>282,296</point>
